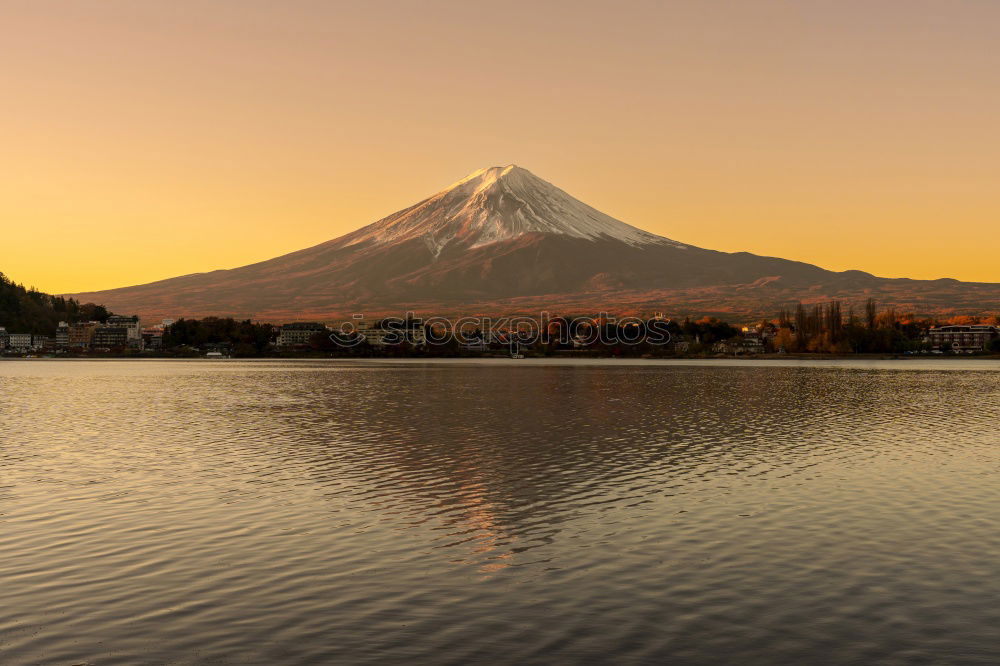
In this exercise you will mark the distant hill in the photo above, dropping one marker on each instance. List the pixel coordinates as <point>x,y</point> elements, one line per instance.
<point>27,310</point>
<point>504,240</point>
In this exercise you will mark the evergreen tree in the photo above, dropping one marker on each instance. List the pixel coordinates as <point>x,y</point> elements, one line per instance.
<point>27,310</point>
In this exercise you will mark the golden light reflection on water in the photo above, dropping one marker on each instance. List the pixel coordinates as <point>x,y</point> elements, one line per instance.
<point>260,511</point>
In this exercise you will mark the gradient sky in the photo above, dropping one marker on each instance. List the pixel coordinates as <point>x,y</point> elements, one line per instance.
<point>144,140</point>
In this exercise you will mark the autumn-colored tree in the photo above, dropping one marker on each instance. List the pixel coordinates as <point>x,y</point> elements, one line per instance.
<point>964,320</point>
<point>784,339</point>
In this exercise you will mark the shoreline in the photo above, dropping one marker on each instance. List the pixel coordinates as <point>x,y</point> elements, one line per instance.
<point>983,362</point>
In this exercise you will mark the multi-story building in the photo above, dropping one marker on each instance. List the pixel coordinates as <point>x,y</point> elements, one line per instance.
<point>81,333</point>
<point>43,342</point>
<point>131,326</point>
<point>20,341</point>
<point>152,338</point>
<point>4,337</point>
<point>109,337</point>
<point>962,338</point>
<point>62,335</point>
<point>292,335</point>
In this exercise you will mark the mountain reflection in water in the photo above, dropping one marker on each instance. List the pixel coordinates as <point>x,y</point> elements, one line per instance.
<point>260,512</point>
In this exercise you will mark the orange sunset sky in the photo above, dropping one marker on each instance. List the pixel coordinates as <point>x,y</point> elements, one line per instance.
<point>144,140</point>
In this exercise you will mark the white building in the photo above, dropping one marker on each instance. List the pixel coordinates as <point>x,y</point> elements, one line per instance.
<point>20,341</point>
<point>62,335</point>
<point>133,335</point>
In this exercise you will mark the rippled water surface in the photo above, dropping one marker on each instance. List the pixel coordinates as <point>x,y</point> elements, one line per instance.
<point>319,512</point>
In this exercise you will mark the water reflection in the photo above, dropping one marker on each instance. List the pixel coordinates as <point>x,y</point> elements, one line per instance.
<point>295,511</point>
<point>499,462</point>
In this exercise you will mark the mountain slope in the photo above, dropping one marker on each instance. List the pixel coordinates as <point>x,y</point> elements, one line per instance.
<point>503,239</point>
<point>499,204</point>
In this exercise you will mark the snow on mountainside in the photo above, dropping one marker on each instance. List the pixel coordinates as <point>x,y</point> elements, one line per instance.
<point>503,240</point>
<point>497,204</point>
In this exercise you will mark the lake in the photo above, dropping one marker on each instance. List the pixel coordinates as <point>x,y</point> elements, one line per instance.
<point>502,512</point>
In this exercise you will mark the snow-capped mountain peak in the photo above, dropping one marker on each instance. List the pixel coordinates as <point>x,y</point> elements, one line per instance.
<point>502,240</point>
<point>496,204</point>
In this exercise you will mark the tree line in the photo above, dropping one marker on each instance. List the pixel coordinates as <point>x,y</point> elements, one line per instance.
<point>826,327</point>
<point>819,328</point>
<point>244,338</point>
<point>27,310</point>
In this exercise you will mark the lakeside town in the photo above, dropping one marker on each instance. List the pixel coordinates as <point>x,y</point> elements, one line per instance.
<point>818,329</point>
<point>33,323</point>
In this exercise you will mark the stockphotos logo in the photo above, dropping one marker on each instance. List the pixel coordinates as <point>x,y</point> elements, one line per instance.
<point>604,329</point>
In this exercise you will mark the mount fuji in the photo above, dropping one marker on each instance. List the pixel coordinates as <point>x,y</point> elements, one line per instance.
<point>502,240</point>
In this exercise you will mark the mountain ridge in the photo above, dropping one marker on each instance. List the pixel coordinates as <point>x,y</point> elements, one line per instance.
<point>503,238</point>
